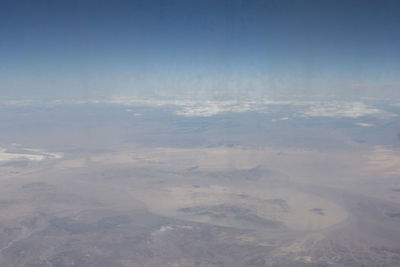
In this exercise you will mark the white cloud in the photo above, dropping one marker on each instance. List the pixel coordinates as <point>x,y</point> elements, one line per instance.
<point>211,108</point>
<point>342,110</point>
<point>280,119</point>
<point>19,103</point>
<point>363,124</point>
<point>27,155</point>
<point>195,108</point>
<point>330,109</point>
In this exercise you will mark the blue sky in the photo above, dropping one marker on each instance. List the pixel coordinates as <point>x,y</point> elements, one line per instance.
<point>203,49</point>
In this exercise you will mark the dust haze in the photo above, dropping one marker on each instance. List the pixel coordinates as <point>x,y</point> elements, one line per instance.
<point>288,182</point>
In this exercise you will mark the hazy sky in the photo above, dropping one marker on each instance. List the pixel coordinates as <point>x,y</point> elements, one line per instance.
<point>203,48</point>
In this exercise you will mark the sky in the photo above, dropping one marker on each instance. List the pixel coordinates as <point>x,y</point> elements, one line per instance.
<point>204,49</point>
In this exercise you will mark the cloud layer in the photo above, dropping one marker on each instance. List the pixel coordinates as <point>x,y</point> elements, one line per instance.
<point>193,108</point>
